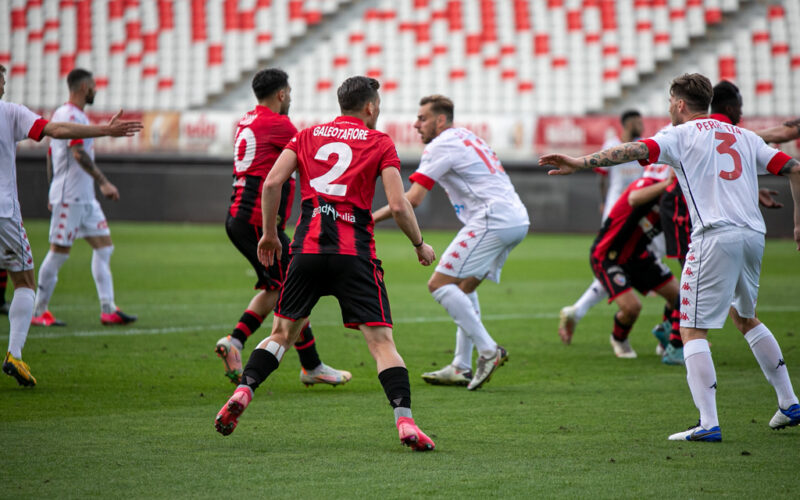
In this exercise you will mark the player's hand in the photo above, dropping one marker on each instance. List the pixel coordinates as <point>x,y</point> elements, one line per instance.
<point>766,200</point>
<point>120,128</point>
<point>425,254</point>
<point>269,249</point>
<point>109,191</point>
<point>49,207</point>
<point>564,165</point>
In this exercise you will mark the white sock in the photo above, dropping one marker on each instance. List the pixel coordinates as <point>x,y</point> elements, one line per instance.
<point>460,308</point>
<point>19,316</point>
<point>48,277</point>
<point>590,298</point>
<point>101,270</point>
<point>463,354</point>
<point>768,354</point>
<point>702,380</point>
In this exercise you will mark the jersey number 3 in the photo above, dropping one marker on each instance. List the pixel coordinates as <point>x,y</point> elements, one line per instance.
<point>322,184</point>
<point>725,148</point>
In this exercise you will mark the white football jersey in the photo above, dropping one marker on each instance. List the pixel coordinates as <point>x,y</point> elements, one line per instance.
<point>619,177</point>
<point>71,183</point>
<point>473,178</point>
<point>717,165</point>
<point>16,123</point>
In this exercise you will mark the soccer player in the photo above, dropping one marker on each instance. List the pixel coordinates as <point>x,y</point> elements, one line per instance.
<point>17,123</point>
<point>495,221</point>
<point>260,137</point>
<point>75,211</point>
<point>717,165</point>
<point>615,181</point>
<point>333,251</point>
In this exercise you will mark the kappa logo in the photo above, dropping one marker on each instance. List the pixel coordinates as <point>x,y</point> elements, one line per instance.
<point>448,265</point>
<point>685,301</point>
<point>463,244</point>
<point>691,258</point>
<point>688,272</point>
<point>684,316</point>
<point>619,279</point>
<point>780,363</point>
<point>686,286</point>
<point>456,255</point>
<point>471,234</point>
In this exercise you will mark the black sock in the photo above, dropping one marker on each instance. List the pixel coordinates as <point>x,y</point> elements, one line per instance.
<point>667,313</point>
<point>307,349</point>
<point>258,368</point>
<point>248,323</point>
<point>3,284</point>
<point>621,331</point>
<point>396,386</point>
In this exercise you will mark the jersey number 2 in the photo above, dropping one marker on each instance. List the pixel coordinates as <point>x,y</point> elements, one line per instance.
<point>322,184</point>
<point>725,148</point>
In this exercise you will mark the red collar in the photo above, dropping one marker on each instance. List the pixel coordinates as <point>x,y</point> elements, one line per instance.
<point>720,118</point>
<point>352,120</point>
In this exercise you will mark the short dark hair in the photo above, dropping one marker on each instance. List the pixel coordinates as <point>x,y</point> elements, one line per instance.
<point>76,77</point>
<point>357,91</point>
<point>693,88</point>
<point>725,93</point>
<point>631,113</point>
<point>269,81</point>
<point>440,105</point>
<point>2,69</point>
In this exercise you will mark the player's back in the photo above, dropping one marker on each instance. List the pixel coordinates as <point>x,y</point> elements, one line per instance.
<point>339,163</point>
<point>717,165</point>
<point>261,135</point>
<point>71,183</point>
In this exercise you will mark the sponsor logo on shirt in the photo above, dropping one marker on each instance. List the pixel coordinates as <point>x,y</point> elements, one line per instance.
<point>331,211</point>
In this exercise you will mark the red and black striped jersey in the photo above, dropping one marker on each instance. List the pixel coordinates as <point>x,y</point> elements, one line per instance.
<point>338,163</point>
<point>628,230</point>
<point>261,136</point>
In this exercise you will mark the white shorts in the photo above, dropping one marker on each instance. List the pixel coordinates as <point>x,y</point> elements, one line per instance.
<point>16,249</point>
<point>722,270</point>
<point>76,220</point>
<point>480,253</point>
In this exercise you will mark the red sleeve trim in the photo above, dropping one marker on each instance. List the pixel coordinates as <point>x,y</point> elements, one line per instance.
<point>75,142</point>
<point>654,152</point>
<point>423,180</point>
<point>600,170</point>
<point>777,162</point>
<point>37,130</point>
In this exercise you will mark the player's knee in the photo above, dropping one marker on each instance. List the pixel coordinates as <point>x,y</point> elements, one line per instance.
<point>631,309</point>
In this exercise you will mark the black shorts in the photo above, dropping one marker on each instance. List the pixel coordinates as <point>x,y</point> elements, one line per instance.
<point>244,237</point>
<point>676,223</point>
<point>355,281</point>
<point>644,273</point>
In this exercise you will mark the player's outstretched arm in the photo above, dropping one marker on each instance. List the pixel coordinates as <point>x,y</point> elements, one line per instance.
<point>766,200</point>
<point>415,194</point>
<point>622,153</point>
<point>403,214</point>
<point>269,246</point>
<point>782,133</point>
<point>114,128</point>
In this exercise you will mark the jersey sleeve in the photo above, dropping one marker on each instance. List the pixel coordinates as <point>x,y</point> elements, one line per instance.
<point>662,148</point>
<point>281,135</point>
<point>293,143</point>
<point>769,159</point>
<point>27,124</point>
<point>389,156</point>
<point>435,162</point>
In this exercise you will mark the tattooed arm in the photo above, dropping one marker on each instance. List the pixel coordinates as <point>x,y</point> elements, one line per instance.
<point>85,161</point>
<point>792,171</point>
<point>782,133</point>
<point>616,155</point>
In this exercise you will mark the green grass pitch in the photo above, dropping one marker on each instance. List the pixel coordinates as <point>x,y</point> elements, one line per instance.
<point>128,412</point>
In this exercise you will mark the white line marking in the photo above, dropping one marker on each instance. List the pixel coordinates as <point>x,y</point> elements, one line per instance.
<point>122,331</point>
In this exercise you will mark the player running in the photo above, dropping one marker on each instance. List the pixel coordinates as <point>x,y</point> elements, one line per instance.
<point>717,166</point>
<point>76,212</point>
<point>614,182</point>
<point>495,221</point>
<point>260,137</point>
<point>17,123</point>
<point>333,251</point>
